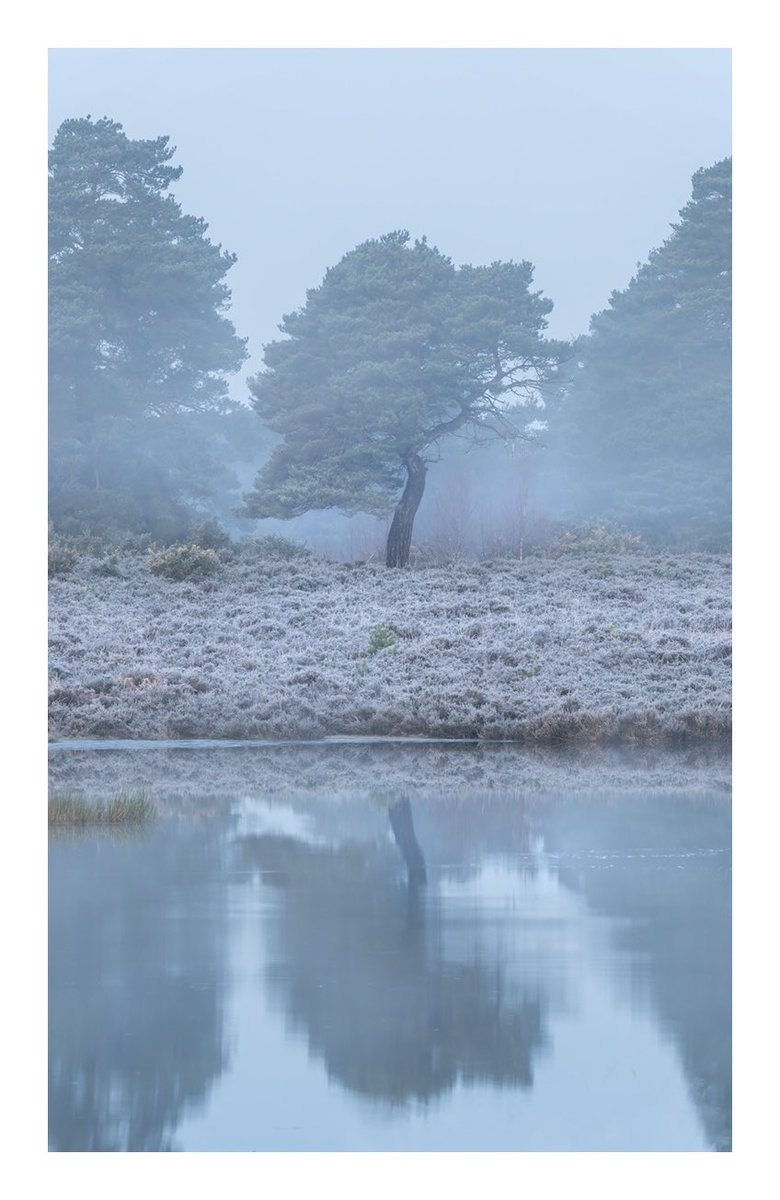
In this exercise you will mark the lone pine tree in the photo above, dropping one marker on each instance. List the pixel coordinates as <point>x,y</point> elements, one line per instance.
<point>394,352</point>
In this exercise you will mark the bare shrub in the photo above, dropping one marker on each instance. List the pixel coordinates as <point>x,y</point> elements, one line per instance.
<point>449,524</point>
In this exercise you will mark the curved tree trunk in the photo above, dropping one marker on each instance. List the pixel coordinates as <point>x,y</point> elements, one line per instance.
<point>399,539</point>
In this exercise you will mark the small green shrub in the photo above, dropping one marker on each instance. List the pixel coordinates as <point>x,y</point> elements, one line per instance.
<point>588,538</point>
<point>62,557</point>
<point>209,535</point>
<point>381,637</point>
<point>184,562</point>
<point>273,545</point>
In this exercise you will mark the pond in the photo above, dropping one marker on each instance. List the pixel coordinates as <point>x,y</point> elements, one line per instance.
<point>391,947</point>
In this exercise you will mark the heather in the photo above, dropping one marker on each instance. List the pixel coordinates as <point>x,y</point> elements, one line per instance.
<point>578,649</point>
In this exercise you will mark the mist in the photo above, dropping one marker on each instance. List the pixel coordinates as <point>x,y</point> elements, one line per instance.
<point>578,162</point>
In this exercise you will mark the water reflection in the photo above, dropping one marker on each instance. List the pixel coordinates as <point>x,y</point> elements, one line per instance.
<point>359,965</point>
<point>659,875</point>
<point>137,938</point>
<point>493,972</point>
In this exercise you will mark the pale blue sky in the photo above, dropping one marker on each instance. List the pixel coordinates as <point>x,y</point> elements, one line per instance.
<point>575,159</point>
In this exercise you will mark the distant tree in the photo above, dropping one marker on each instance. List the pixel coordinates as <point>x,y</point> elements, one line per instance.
<point>646,426</point>
<point>137,301</point>
<point>394,352</point>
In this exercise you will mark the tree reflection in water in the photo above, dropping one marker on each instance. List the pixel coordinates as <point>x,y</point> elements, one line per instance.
<point>386,948</point>
<point>402,999</point>
<point>672,896</point>
<point>361,966</point>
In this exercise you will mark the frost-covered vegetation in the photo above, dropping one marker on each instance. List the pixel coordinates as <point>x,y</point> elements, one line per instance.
<point>579,648</point>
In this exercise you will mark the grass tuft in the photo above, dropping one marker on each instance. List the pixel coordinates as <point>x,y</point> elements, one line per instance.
<point>125,809</point>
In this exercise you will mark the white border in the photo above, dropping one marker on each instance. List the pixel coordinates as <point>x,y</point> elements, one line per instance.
<point>403,24</point>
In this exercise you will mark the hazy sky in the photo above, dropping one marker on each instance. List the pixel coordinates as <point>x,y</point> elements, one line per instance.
<point>575,159</point>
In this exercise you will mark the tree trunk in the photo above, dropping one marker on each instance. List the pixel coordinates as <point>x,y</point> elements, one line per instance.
<point>399,539</point>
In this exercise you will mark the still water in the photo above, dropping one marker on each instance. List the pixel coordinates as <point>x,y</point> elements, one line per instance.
<point>330,959</point>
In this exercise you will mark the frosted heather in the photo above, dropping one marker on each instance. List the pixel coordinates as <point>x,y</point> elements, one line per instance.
<point>579,649</point>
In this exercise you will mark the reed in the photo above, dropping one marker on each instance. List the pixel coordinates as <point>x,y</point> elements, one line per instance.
<point>123,809</point>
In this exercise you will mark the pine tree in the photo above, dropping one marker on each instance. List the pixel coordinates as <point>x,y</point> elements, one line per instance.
<point>646,427</point>
<point>137,302</point>
<point>396,351</point>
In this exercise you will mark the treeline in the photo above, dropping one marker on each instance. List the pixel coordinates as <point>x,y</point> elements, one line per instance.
<point>398,359</point>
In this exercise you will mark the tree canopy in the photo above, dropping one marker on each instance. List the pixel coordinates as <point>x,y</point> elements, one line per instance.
<point>137,301</point>
<point>646,427</point>
<point>394,352</point>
